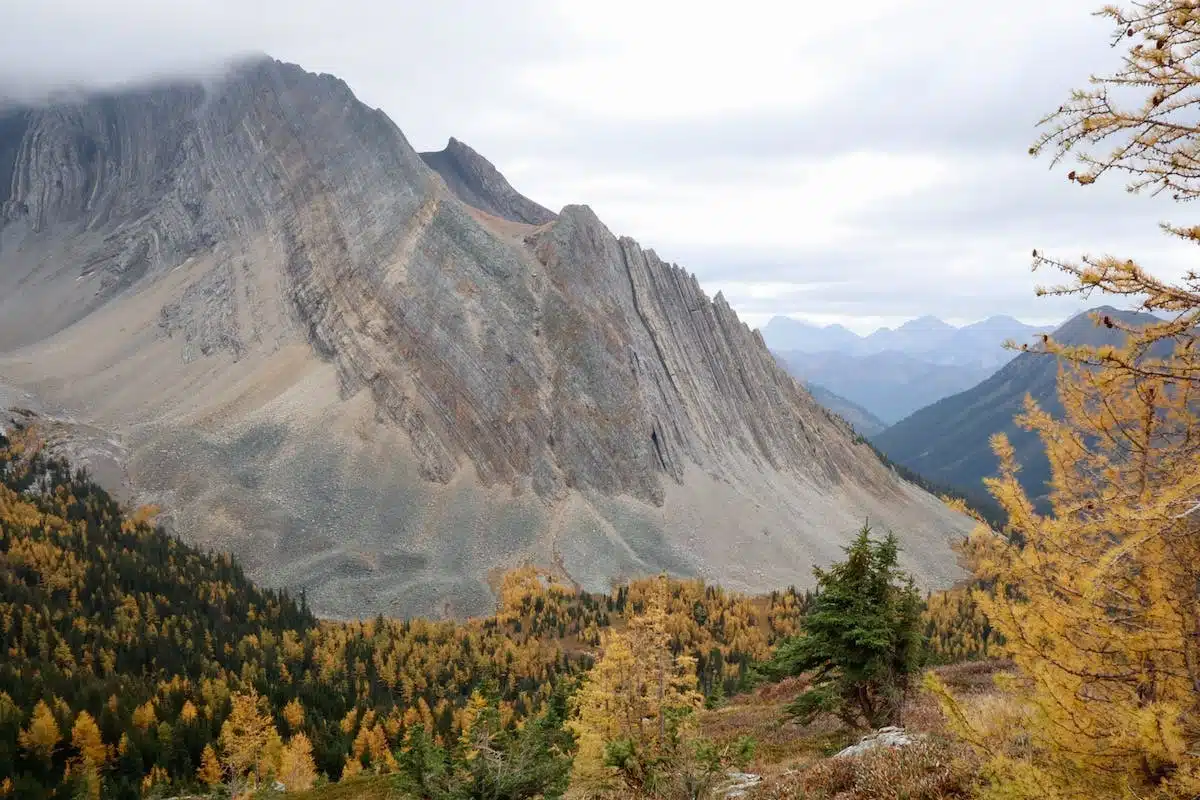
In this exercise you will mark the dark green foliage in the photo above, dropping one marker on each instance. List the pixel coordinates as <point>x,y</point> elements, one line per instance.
<point>861,638</point>
<point>495,763</point>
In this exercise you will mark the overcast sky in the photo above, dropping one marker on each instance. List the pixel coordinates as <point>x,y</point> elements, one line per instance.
<point>860,162</point>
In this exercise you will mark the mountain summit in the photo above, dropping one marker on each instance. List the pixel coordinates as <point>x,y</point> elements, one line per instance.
<point>474,180</point>
<point>383,384</point>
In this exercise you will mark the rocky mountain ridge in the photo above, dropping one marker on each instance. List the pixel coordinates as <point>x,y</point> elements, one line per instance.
<point>321,355</point>
<point>476,181</point>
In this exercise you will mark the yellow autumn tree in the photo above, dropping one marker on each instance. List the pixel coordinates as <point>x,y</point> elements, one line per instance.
<point>91,754</point>
<point>293,714</point>
<point>1098,596</point>
<point>476,705</point>
<point>42,735</point>
<point>248,740</point>
<point>297,771</point>
<point>209,773</point>
<point>635,705</point>
<point>144,717</point>
<point>86,739</point>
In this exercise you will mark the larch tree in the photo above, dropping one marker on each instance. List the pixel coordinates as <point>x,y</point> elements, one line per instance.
<point>91,754</point>
<point>209,773</point>
<point>248,739</point>
<point>1098,599</point>
<point>293,714</point>
<point>42,735</point>
<point>296,768</point>
<point>86,739</point>
<point>634,707</point>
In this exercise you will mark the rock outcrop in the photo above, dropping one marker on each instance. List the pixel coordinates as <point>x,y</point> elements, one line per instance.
<point>476,181</point>
<point>368,382</point>
<point>891,737</point>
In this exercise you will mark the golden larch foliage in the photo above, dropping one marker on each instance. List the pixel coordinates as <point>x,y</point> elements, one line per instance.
<point>630,692</point>
<point>86,739</point>
<point>144,717</point>
<point>293,714</point>
<point>42,735</point>
<point>296,768</point>
<point>1098,597</point>
<point>209,772</point>
<point>246,738</point>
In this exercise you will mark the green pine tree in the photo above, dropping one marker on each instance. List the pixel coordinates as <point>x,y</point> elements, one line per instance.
<point>861,638</point>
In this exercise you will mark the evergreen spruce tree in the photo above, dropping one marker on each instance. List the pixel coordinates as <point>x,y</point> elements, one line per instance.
<point>861,638</point>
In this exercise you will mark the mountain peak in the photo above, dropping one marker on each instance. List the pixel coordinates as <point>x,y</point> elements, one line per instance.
<point>1082,329</point>
<point>476,181</point>
<point>378,388</point>
<point>926,323</point>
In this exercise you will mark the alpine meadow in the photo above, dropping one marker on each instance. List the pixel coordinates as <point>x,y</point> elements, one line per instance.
<point>332,469</point>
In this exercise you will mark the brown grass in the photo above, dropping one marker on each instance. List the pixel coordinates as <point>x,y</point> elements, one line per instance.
<point>794,759</point>
<point>928,770</point>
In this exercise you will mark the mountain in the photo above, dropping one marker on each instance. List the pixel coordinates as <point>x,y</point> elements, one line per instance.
<point>947,442</point>
<point>785,333</point>
<point>293,334</point>
<point>925,339</point>
<point>920,335</point>
<point>888,385</point>
<point>863,421</point>
<point>474,180</point>
<point>892,373</point>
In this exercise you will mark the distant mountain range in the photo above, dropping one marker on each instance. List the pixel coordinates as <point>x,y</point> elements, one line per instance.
<point>892,373</point>
<point>889,385</point>
<point>948,441</point>
<point>925,338</point>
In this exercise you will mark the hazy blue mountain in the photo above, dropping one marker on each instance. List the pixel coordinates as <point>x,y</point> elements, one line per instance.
<point>889,385</point>
<point>863,420</point>
<point>947,442</point>
<point>925,339</point>
<point>785,333</point>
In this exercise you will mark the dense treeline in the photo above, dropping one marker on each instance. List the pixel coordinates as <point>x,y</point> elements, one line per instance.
<point>107,622</point>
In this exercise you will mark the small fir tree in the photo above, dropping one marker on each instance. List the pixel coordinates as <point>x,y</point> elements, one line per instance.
<point>861,638</point>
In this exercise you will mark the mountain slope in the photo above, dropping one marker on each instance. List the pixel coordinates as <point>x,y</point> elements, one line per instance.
<point>889,385</point>
<point>318,357</point>
<point>947,442</point>
<point>863,421</point>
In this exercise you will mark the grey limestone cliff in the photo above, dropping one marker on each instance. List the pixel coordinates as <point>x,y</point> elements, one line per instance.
<point>325,356</point>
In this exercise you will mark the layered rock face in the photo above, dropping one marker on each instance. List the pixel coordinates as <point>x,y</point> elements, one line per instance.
<point>386,383</point>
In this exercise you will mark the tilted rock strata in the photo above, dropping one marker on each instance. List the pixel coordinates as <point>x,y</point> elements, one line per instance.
<point>324,360</point>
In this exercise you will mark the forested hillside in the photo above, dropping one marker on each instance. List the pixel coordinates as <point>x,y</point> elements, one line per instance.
<point>126,652</point>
